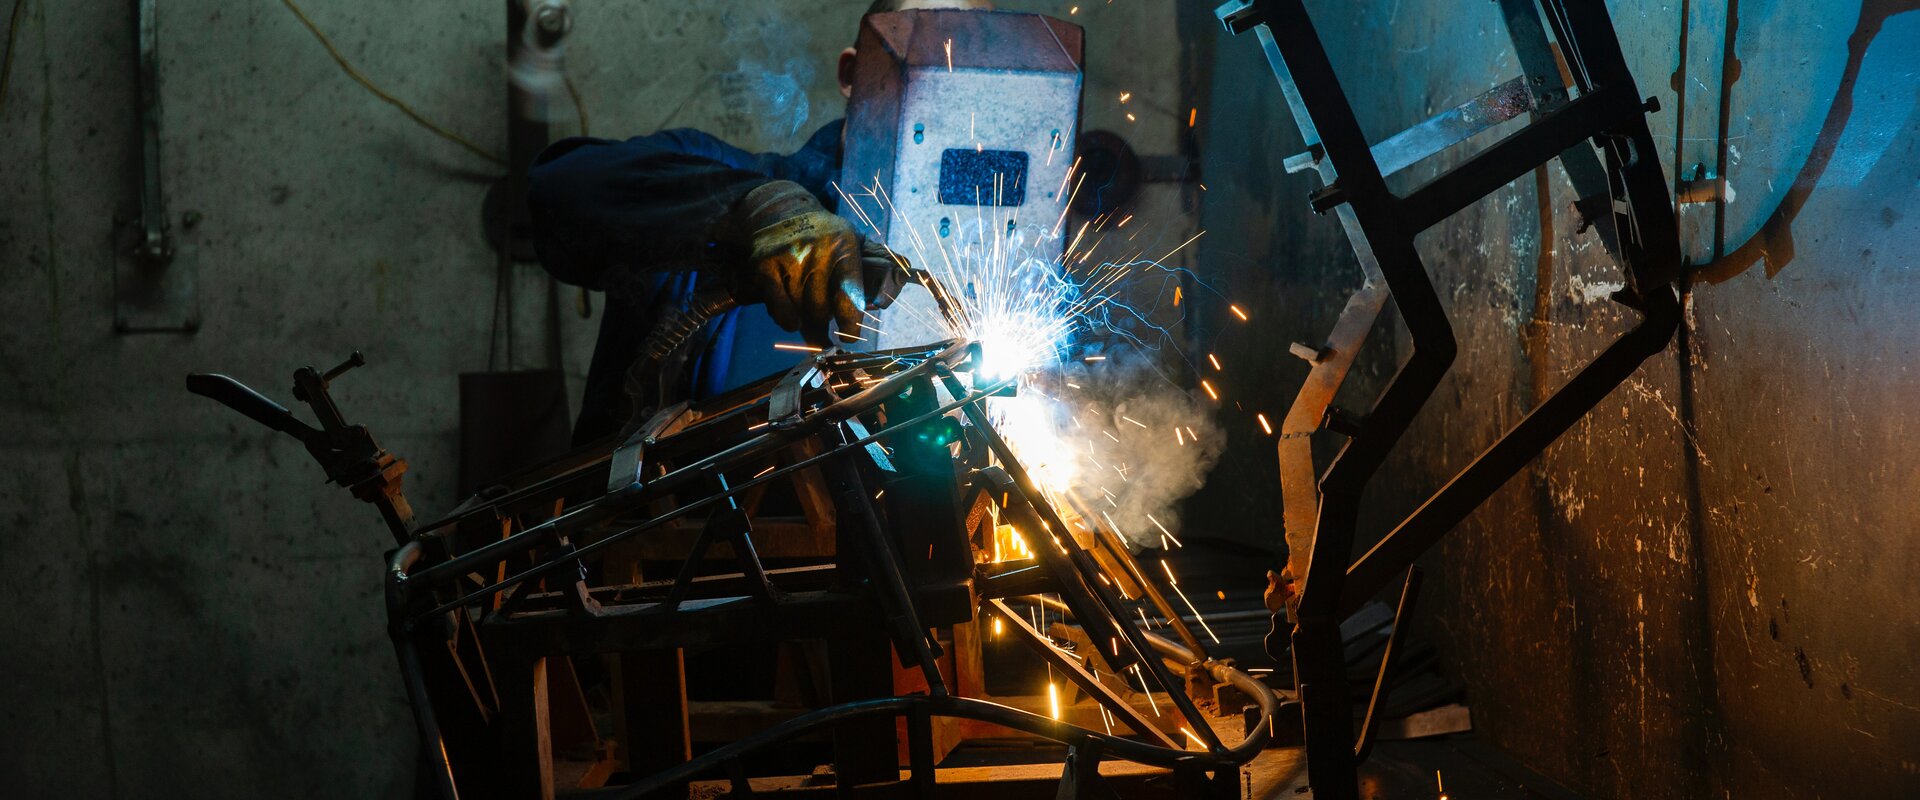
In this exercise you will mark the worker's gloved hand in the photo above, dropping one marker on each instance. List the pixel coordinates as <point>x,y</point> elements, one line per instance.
<point>807,264</point>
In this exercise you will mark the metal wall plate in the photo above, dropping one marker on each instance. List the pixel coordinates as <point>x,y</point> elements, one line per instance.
<point>153,292</point>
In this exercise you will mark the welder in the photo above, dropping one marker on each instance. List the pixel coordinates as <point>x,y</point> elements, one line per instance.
<point>655,219</point>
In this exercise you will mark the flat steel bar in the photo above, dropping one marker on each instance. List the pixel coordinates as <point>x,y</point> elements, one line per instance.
<point>1511,453</point>
<point>1383,682</point>
<point>1448,128</point>
<point>1105,600</point>
<point>1516,155</point>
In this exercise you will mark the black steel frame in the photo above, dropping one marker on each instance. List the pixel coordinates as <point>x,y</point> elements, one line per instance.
<point>441,613</point>
<point>1627,198</point>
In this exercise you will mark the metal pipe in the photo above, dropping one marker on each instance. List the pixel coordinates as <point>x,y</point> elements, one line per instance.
<point>443,570</point>
<point>432,745</point>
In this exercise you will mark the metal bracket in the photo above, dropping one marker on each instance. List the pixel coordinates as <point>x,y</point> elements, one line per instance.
<point>154,282</point>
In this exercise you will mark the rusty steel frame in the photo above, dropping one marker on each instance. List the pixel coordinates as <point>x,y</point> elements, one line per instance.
<point>1627,197</point>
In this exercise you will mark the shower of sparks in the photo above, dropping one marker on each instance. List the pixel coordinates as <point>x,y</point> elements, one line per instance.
<point>1029,312</point>
<point>1040,318</point>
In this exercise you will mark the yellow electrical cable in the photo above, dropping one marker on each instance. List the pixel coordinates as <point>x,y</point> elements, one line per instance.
<point>6,66</point>
<point>356,75</point>
<point>578,107</point>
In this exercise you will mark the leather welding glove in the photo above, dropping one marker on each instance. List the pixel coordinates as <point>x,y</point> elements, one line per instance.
<point>808,265</point>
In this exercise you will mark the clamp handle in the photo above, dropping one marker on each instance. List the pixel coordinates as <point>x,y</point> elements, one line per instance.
<point>256,406</point>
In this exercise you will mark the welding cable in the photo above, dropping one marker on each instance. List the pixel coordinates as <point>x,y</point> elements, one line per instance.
<point>6,62</point>
<point>663,356</point>
<point>994,713</point>
<point>363,80</point>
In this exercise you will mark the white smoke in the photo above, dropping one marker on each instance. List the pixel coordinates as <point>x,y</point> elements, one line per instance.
<point>1139,443</point>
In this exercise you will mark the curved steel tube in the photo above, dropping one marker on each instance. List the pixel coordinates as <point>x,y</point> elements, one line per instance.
<point>981,710</point>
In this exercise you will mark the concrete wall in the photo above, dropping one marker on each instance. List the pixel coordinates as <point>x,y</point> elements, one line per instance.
<point>1705,588</point>
<point>189,612</point>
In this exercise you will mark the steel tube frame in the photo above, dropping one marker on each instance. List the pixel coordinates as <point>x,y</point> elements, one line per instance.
<point>1382,226</point>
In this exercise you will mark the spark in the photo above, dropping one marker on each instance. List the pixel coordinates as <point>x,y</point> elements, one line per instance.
<point>1193,116</point>
<point>1053,699</point>
<point>1210,392</point>
<point>1131,117</point>
<point>1195,737</point>
<point>798,348</point>
<point>764,471</point>
<point>1125,96</point>
<point>1145,690</point>
<point>1183,598</point>
<point>1264,424</point>
<point>998,628</point>
<point>1215,361</point>
<point>949,55</point>
<point>1237,312</point>
<point>1134,421</point>
<point>1165,532</point>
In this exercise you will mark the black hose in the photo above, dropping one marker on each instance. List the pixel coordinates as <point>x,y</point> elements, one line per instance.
<point>652,379</point>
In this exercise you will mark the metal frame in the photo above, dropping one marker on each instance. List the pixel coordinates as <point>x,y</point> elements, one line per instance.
<point>527,596</point>
<point>1627,198</point>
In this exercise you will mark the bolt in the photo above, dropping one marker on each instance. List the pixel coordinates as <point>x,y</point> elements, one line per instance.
<point>552,18</point>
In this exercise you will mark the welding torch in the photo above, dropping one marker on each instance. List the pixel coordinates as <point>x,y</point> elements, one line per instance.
<point>651,380</point>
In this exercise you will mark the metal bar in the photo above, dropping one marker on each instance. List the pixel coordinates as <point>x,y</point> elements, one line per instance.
<point>683,580</point>
<point>156,246</point>
<point>1118,551</point>
<point>1516,155</point>
<point>1105,600</point>
<point>1087,681</point>
<point>883,563</point>
<point>1453,126</point>
<point>1592,202</point>
<point>1161,644</point>
<point>433,746</point>
<point>1383,682</point>
<point>920,753</point>
<point>533,536</point>
<point>1067,573</point>
<point>1511,453</point>
<point>993,713</point>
